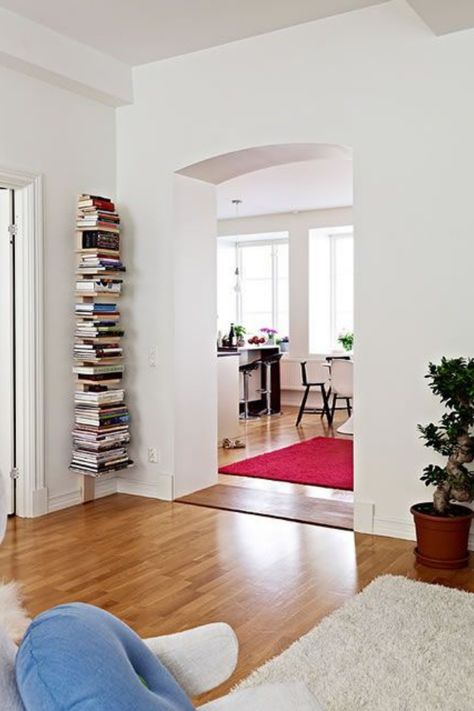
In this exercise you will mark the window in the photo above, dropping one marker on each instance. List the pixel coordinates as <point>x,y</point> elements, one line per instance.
<point>261,296</point>
<point>331,285</point>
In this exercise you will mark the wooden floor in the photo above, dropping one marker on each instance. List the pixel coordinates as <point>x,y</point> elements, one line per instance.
<point>262,502</point>
<point>164,567</point>
<point>296,502</point>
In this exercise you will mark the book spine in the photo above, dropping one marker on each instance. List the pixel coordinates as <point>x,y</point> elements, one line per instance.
<point>101,417</point>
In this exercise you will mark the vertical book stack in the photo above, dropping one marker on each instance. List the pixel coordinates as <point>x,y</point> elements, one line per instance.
<point>101,418</point>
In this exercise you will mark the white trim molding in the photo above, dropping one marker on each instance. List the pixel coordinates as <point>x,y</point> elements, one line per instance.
<point>161,489</point>
<point>103,487</point>
<point>366,522</point>
<point>395,528</point>
<point>31,492</point>
<point>364,516</point>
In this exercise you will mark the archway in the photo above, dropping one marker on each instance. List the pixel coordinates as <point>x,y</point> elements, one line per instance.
<point>195,236</point>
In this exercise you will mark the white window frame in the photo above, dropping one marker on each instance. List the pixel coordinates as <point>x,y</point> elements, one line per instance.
<point>332,234</point>
<point>239,245</point>
<point>333,239</point>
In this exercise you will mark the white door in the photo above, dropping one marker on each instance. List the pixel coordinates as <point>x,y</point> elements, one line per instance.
<point>7,432</point>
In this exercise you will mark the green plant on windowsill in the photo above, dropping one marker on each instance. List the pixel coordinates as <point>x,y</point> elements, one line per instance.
<point>346,340</point>
<point>240,332</point>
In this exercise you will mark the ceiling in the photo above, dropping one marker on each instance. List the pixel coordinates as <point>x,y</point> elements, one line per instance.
<point>141,31</point>
<point>444,16</point>
<point>306,185</point>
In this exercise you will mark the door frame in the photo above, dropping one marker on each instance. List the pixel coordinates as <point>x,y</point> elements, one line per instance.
<point>31,492</point>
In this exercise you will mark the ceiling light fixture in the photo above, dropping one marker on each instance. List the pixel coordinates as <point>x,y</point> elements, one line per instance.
<point>238,284</point>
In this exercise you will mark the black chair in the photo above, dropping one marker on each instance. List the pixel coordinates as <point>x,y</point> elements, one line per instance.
<point>267,364</point>
<point>324,410</point>
<point>329,359</point>
<point>246,371</point>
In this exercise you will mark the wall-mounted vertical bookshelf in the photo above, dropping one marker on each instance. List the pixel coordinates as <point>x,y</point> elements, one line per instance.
<point>101,418</point>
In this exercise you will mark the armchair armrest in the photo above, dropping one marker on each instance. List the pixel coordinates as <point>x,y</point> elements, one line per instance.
<point>199,659</point>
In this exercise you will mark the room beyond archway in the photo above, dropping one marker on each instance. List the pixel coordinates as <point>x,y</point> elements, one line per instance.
<point>295,213</point>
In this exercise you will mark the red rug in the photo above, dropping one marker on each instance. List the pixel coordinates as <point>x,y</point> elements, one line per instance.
<point>322,461</point>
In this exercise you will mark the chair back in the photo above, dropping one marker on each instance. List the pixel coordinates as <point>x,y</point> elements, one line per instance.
<point>342,377</point>
<point>313,371</point>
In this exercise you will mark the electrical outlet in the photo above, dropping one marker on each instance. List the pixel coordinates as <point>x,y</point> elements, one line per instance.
<point>153,456</point>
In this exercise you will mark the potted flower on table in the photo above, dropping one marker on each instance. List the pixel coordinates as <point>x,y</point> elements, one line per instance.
<point>442,526</point>
<point>270,334</point>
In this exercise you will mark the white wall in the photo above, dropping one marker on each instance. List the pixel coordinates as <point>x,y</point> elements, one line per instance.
<point>376,80</point>
<point>195,360</point>
<point>71,141</point>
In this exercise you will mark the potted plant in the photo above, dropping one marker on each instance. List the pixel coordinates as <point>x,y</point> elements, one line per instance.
<point>346,339</point>
<point>270,333</point>
<point>442,526</point>
<point>240,332</point>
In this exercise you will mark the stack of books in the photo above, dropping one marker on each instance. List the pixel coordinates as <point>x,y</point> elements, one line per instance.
<point>101,418</point>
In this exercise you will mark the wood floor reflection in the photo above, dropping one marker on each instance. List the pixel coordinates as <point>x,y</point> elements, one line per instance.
<point>165,567</point>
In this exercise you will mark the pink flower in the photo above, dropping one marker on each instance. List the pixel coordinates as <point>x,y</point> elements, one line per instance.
<point>269,331</point>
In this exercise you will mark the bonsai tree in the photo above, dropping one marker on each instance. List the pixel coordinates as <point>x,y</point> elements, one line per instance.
<point>453,382</point>
<point>346,340</point>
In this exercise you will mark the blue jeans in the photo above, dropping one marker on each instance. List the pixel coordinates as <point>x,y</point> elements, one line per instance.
<point>80,657</point>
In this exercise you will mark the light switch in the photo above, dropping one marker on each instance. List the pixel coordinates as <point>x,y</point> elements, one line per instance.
<point>153,357</point>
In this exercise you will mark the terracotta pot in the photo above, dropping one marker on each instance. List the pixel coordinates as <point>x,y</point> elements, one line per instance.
<point>442,540</point>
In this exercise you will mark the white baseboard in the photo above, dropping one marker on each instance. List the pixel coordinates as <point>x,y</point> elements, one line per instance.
<point>40,502</point>
<point>64,501</point>
<point>103,487</point>
<point>367,521</point>
<point>394,528</point>
<point>161,489</point>
<point>401,528</point>
<point>292,398</point>
<point>364,516</point>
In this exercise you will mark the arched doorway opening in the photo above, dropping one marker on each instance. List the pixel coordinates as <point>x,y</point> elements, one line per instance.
<point>198,202</point>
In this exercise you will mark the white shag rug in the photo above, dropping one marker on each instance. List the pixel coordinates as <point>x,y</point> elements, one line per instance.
<point>399,645</point>
<point>13,617</point>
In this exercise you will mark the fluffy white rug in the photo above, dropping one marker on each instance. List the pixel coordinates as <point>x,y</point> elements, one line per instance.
<point>13,618</point>
<point>399,645</point>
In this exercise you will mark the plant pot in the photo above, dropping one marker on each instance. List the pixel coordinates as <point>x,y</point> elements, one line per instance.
<point>442,540</point>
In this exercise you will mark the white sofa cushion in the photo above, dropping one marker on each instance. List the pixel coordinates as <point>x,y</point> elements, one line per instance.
<point>291,696</point>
